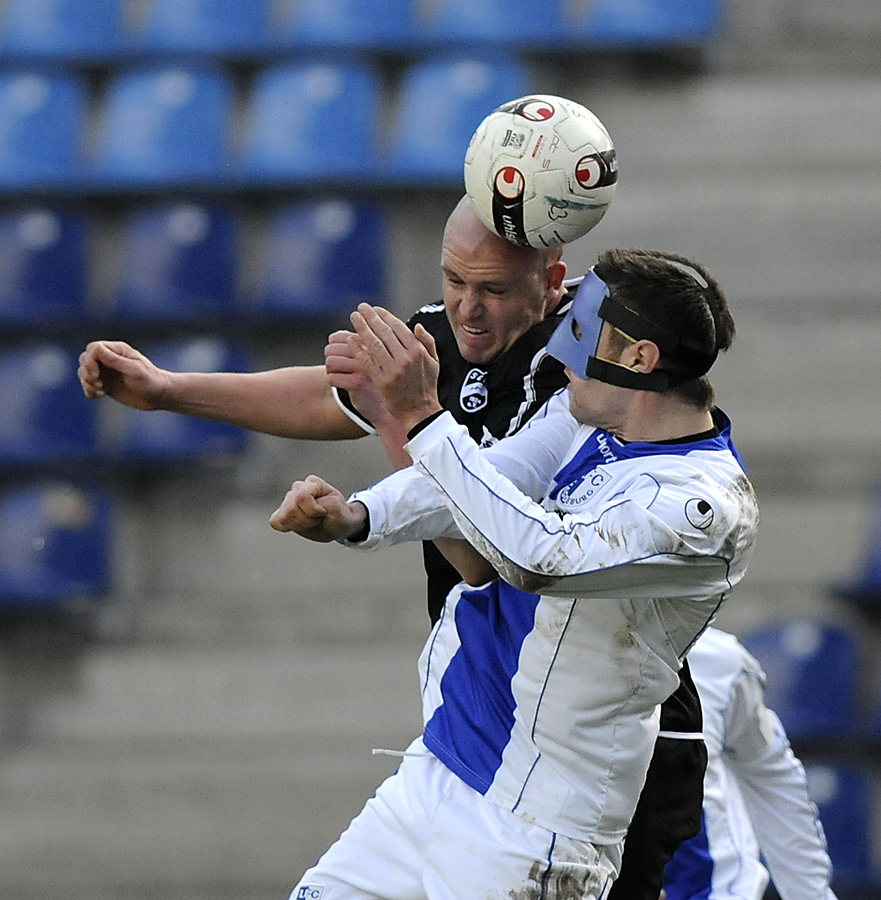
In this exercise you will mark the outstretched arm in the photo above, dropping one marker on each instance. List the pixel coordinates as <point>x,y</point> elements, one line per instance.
<point>292,402</point>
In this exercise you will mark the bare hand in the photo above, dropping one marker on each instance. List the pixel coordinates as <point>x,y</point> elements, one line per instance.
<point>115,369</point>
<point>346,373</point>
<point>317,511</point>
<point>403,364</point>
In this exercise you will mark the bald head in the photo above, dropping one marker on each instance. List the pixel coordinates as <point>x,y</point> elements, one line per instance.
<point>467,229</point>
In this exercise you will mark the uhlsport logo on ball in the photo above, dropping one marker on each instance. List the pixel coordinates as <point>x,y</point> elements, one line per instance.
<point>541,170</point>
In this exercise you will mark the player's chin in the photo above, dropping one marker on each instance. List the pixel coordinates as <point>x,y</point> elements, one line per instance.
<point>477,349</point>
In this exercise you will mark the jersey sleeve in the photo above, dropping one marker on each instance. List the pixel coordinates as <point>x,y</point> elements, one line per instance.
<point>774,789</point>
<point>345,404</point>
<point>406,506</point>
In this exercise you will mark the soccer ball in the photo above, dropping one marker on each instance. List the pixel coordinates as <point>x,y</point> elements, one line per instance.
<point>541,171</point>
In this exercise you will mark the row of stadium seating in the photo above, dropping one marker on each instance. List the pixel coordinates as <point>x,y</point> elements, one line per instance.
<point>172,126</point>
<point>180,261</point>
<point>102,29</point>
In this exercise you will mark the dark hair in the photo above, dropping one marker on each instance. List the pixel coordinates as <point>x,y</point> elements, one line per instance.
<point>679,295</point>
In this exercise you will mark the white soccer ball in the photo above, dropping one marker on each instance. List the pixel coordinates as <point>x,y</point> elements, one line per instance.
<point>541,170</point>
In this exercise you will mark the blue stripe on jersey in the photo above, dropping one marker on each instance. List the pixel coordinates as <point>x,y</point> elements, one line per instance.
<point>602,448</point>
<point>689,874</point>
<point>476,714</point>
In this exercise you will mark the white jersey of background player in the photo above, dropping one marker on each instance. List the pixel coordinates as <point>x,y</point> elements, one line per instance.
<point>755,794</point>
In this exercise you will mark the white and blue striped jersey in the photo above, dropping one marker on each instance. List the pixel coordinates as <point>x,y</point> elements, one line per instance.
<point>755,793</point>
<point>542,691</point>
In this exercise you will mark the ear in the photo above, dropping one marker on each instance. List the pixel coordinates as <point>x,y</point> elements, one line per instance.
<point>554,290</point>
<point>642,356</point>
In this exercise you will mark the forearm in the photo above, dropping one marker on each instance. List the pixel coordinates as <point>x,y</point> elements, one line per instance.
<point>393,436</point>
<point>294,402</point>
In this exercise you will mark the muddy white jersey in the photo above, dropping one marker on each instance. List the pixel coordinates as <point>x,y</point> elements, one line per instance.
<point>541,690</point>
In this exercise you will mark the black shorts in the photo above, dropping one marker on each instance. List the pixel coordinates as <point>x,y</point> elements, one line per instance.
<point>669,812</point>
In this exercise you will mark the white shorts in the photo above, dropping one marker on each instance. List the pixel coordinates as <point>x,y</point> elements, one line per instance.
<point>426,835</point>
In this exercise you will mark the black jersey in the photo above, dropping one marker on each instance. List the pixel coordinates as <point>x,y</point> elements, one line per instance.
<point>491,401</point>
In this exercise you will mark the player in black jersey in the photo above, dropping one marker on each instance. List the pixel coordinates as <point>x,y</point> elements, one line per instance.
<point>501,304</point>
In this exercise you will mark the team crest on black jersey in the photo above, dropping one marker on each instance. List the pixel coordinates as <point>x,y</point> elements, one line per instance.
<point>473,396</point>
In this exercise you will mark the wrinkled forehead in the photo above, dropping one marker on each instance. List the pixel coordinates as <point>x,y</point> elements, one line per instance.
<point>490,258</point>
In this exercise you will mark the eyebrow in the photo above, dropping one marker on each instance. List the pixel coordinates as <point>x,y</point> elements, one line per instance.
<point>484,283</point>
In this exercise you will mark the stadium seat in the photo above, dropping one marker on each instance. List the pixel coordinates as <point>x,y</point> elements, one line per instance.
<point>41,118</point>
<point>164,125</point>
<point>812,670</point>
<point>646,22</point>
<point>205,26</point>
<point>46,417</point>
<point>178,261</point>
<point>367,24</point>
<point>139,437</point>
<point>845,797</point>
<point>61,29</point>
<point>440,104</point>
<point>310,119</point>
<point>55,543</point>
<point>43,265</point>
<point>323,257</point>
<point>496,22</point>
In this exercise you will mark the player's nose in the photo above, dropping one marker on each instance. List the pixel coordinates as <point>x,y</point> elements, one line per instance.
<point>470,304</point>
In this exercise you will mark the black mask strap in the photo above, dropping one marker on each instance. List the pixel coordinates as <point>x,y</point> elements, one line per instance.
<point>682,363</point>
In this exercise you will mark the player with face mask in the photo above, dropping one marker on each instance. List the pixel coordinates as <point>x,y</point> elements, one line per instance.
<point>618,523</point>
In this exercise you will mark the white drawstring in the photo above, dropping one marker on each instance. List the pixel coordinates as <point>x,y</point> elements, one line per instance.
<point>378,751</point>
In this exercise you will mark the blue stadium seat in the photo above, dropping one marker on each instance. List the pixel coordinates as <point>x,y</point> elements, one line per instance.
<point>368,24</point>
<point>323,257</point>
<point>178,261</point>
<point>845,797</point>
<point>165,125</point>
<point>213,26</point>
<point>812,670</point>
<point>441,103</point>
<point>43,265</point>
<point>46,417</point>
<point>41,121</point>
<point>311,119</point>
<point>61,29</point>
<point>647,22</point>
<point>497,22</point>
<point>55,543</point>
<point>139,437</point>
